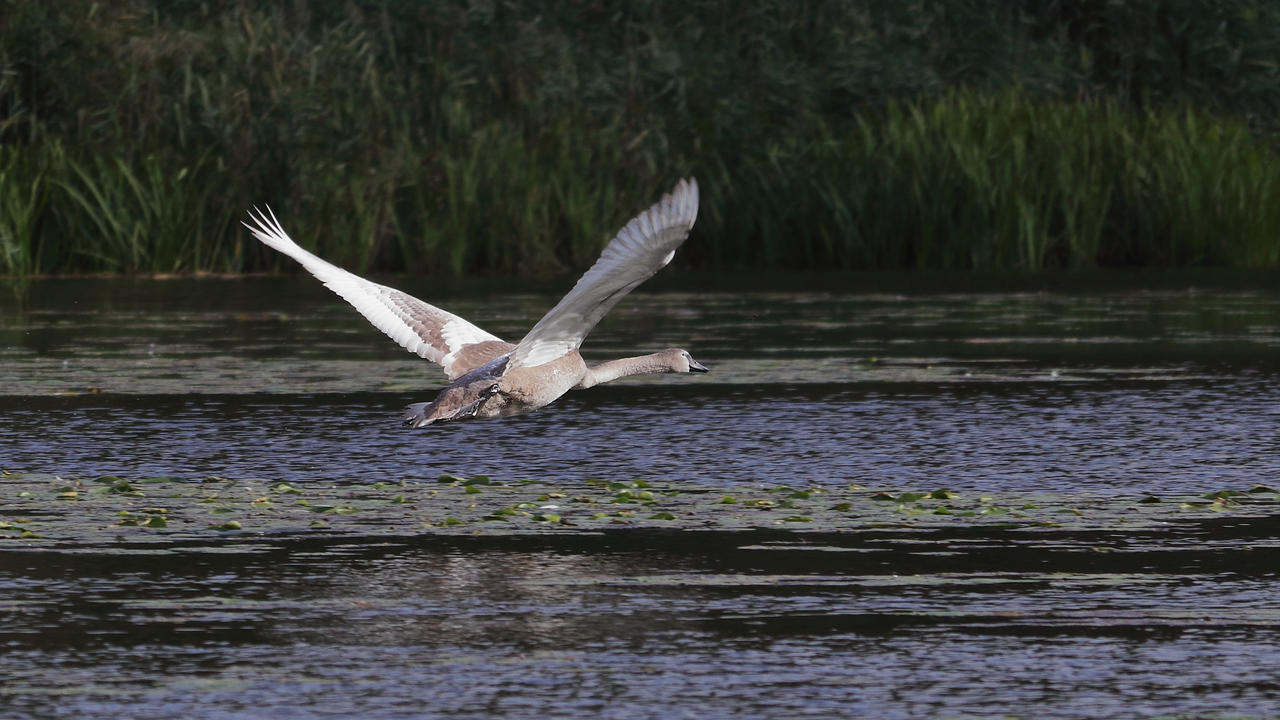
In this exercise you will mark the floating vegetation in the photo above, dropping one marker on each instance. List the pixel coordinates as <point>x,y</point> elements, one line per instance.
<point>52,511</point>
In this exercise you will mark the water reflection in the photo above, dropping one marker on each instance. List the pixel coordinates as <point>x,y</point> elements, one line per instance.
<point>746,625</point>
<point>285,335</point>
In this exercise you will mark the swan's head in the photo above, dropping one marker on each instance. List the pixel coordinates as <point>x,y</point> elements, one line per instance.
<point>681,361</point>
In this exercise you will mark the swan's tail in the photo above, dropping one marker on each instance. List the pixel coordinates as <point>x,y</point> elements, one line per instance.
<point>415,415</point>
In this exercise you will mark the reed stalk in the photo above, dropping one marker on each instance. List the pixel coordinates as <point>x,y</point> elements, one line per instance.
<point>23,195</point>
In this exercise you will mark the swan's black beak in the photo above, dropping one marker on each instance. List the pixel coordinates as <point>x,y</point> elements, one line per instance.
<point>695,366</point>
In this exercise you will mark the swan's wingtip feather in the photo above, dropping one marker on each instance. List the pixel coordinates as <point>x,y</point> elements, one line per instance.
<point>683,199</point>
<point>267,229</point>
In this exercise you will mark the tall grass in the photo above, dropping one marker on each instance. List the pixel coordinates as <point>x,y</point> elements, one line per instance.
<point>1001,180</point>
<point>978,181</point>
<point>147,218</point>
<point>515,137</point>
<point>23,194</point>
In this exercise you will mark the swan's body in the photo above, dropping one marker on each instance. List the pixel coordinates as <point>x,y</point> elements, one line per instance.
<point>493,378</point>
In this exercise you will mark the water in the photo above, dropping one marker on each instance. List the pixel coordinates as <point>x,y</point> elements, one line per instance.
<point>1094,391</point>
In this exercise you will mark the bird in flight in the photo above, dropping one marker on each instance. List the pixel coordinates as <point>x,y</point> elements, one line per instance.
<point>490,377</point>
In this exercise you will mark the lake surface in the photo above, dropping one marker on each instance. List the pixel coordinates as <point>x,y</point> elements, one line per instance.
<point>1025,396</point>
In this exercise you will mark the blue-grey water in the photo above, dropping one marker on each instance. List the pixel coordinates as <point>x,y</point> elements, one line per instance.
<point>1122,385</point>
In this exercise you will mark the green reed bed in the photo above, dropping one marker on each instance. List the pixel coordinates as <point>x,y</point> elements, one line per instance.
<point>1005,181</point>
<point>514,138</point>
<point>972,181</point>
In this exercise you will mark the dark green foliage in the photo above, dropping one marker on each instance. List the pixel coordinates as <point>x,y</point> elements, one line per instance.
<point>515,137</point>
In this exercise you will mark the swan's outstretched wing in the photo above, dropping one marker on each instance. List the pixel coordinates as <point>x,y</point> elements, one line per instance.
<point>418,327</point>
<point>639,250</point>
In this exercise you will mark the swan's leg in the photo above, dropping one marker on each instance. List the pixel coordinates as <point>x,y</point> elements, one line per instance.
<point>470,409</point>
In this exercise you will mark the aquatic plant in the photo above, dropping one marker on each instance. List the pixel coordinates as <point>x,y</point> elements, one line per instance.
<point>56,510</point>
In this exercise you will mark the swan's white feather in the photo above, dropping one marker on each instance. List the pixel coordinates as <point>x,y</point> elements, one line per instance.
<point>419,327</point>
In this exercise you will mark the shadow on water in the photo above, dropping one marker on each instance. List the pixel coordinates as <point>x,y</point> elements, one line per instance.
<point>830,586</point>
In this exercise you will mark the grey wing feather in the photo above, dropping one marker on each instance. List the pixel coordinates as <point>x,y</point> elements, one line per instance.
<point>641,248</point>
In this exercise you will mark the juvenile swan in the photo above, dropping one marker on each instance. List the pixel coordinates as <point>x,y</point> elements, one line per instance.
<point>493,378</point>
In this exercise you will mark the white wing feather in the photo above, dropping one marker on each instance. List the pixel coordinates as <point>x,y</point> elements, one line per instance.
<point>419,327</point>
<point>639,250</point>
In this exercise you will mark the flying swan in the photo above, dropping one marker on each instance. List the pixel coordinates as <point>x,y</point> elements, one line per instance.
<point>490,377</point>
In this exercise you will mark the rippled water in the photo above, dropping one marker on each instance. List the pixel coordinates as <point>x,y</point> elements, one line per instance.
<point>1122,387</point>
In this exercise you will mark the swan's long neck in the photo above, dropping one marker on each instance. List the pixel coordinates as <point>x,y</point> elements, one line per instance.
<point>658,362</point>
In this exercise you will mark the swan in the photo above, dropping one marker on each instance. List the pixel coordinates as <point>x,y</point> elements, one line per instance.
<point>493,378</point>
